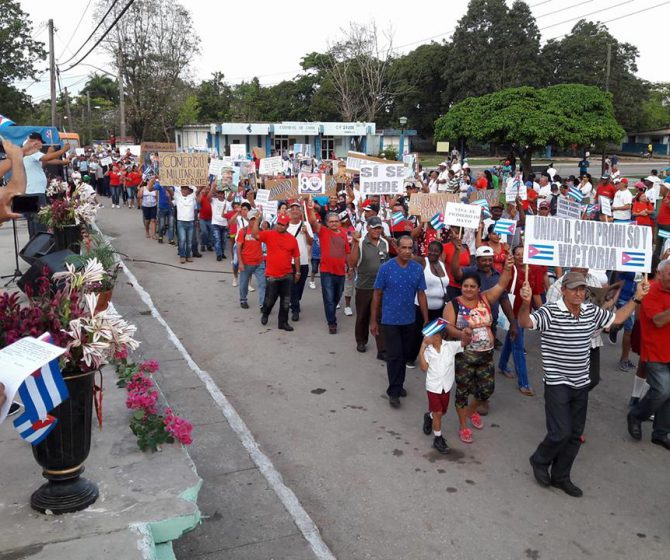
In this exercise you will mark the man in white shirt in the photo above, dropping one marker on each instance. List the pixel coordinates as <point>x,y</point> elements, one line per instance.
<point>184,200</point>
<point>544,193</point>
<point>622,203</point>
<point>443,176</point>
<point>551,170</point>
<point>298,228</point>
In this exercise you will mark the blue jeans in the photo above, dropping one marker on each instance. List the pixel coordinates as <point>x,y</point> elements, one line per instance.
<point>332,286</point>
<point>185,234</point>
<point>657,399</point>
<point>116,194</point>
<point>220,235</point>
<point>166,223</point>
<point>257,270</point>
<point>132,194</point>
<point>206,233</point>
<point>515,348</point>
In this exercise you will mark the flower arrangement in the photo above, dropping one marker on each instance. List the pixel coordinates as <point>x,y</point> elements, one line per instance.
<point>77,208</point>
<point>151,428</point>
<point>96,247</point>
<point>57,188</point>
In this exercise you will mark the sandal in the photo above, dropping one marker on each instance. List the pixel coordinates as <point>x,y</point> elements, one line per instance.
<point>476,421</point>
<point>527,391</point>
<point>506,373</point>
<point>465,434</point>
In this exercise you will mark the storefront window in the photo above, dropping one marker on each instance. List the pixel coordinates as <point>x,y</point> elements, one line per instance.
<point>327,147</point>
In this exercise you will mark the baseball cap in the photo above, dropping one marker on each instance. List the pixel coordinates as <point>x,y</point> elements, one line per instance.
<point>283,219</point>
<point>294,203</point>
<point>544,204</point>
<point>573,280</point>
<point>36,136</point>
<point>466,165</point>
<point>374,222</point>
<point>484,251</point>
<point>188,187</point>
<point>443,164</point>
<point>227,168</point>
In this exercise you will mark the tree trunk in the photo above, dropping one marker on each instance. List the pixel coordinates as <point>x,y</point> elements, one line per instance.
<point>526,159</point>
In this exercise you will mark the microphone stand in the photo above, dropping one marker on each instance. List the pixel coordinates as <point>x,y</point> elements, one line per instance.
<point>17,271</point>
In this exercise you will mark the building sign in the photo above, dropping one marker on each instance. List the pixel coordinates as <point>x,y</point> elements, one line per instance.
<point>297,128</point>
<point>344,129</point>
<point>245,128</point>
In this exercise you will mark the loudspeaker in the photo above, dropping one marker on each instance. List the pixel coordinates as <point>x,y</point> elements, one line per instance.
<point>53,262</point>
<point>40,244</point>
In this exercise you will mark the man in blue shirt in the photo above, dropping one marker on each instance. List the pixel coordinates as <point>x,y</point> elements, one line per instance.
<point>398,282</point>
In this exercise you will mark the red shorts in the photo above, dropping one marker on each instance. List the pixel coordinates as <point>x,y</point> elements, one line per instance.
<point>438,402</point>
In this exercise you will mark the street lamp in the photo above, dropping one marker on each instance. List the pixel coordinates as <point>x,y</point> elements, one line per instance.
<point>403,123</point>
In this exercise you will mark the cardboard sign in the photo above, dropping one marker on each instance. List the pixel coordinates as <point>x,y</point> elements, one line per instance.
<point>282,189</point>
<point>569,209</point>
<point>106,161</point>
<point>442,147</point>
<point>356,159</point>
<point>426,205</point>
<point>178,168</point>
<point>382,178</point>
<point>331,186</point>
<point>271,166</point>
<point>258,152</point>
<point>462,215</point>
<point>238,152</point>
<point>552,241</point>
<point>147,148</point>
<point>605,206</point>
<point>311,183</point>
<point>491,196</point>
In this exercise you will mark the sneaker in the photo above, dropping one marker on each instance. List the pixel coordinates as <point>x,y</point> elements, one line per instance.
<point>476,421</point>
<point>312,286</point>
<point>360,347</point>
<point>612,335</point>
<point>219,258</point>
<point>623,365</point>
<point>427,423</point>
<point>189,259</point>
<point>338,306</point>
<point>244,305</point>
<point>160,240</point>
<point>631,365</point>
<point>332,329</point>
<point>410,365</point>
<point>295,316</point>
<point>235,283</point>
<point>348,312</point>
<point>465,434</point>
<point>264,319</point>
<point>440,444</point>
<point>173,242</point>
<point>394,402</point>
<point>182,260</point>
<point>251,288</point>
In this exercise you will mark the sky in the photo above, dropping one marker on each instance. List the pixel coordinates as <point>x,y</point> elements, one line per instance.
<point>269,38</point>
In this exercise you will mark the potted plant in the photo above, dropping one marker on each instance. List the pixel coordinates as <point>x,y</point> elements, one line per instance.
<point>91,339</point>
<point>66,214</point>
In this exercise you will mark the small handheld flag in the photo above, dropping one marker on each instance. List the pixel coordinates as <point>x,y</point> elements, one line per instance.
<point>397,217</point>
<point>434,327</point>
<point>34,432</point>
<point>505,227</point>
<point>437,221</point>
<point>486,209</point>
<point>576,194</point>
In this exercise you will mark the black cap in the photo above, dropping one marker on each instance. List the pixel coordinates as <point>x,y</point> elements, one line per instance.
<point>374,222</point>
<point>36,136</point>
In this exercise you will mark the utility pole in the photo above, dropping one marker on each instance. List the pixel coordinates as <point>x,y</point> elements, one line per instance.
<point>88,107</point>
<point>122,102</point>
<point>67,109</point>
<point>607,88</point>
<point>52,69</point>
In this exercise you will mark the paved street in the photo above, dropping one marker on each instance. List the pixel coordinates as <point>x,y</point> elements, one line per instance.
<point>365,473</point>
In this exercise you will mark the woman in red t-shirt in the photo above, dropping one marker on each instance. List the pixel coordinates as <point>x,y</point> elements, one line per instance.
<point>500,250</point>
<point>115,185</point>
<point>133,179</point>
<point>643,210</point>
<point>464,260</point>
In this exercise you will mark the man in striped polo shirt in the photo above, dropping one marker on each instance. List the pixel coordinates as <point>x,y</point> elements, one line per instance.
<point>567,327</point>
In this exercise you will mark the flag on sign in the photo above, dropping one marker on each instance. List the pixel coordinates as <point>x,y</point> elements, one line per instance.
<point>4,121</point>
<point>434,327</point>
<point>632,258</point>
<point>505,227</point>
<point>575,193</point>
<point>34,432</point>
<point>664,234</point>
<point>541,252</point>
<point>437,221</point>
<point>397,217</point>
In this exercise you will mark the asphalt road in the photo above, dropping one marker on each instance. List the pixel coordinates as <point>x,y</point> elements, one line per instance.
<point>366,473</point>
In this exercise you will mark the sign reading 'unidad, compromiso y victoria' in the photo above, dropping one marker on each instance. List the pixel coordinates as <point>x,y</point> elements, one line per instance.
<point>568,243</point>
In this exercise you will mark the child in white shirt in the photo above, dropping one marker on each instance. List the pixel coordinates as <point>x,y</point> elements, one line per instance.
<point>437,359</point>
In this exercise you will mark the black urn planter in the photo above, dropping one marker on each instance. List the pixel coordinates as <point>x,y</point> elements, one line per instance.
<point>68,237</point>
<point>62,453</point>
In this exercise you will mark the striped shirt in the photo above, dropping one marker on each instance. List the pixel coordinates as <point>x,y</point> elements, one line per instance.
<point>566,341</point>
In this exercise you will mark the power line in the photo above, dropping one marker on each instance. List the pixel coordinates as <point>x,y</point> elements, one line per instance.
<point>563,9</point>
<point>586,15</point>
<point>540,3</point>
<point>75,29</point>
<point>111,7</point>
<point>125,9</point>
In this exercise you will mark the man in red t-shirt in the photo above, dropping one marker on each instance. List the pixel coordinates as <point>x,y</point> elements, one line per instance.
<point>205,216</point>
<point>606,189</point>
<point>250,261</point>
<point>334,250</point>
<point>282,259</point>
<point>662,219</point>
<point>655,352</point>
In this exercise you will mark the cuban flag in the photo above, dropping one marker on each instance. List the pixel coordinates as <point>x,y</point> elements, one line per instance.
<point>4,121</point>
<point>505,227</point>
<point>434,327</point>
<point>397,217</point>
<point>34,432</point>
<point>539,252</point>
<point>664,234</point>
<point>632,258</point>
<point>575,193</point>
<point>437,221</point>
<point>486,209</point>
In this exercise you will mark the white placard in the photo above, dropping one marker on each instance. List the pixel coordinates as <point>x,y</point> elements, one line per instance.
<point>462,215</point>
<point>605,206</point>
<point>553,241</point>
<point>238,152</point>
<point>514,188</point>
<point>271,166</point>
<point>80,151</point>
<point>269,208</point>
<point>380,178</point>
<point>262,196</point>
<point>311,183</point>
<point>19,360</point>
<point>106,161</point>
<point>569,209</point>
<point>215,166</point>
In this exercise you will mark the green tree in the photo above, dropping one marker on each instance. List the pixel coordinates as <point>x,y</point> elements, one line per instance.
<point>656,110</point>
<point>189,111</point>
<point>100,86</point>
<point>214,98</point>
<point>581,57</point>
<point>494,47</point>
<point>18,50</point>
<point>562,115</point>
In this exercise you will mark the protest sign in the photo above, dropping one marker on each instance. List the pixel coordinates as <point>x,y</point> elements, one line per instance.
<point>553,241</point>
<point>605,206</point>
<point>258,152</point>
<point>409,160</point>
<point>282,189</point>
<point>505,227</point>
<point>331,185</point>
<point>134,149</point>
<point>215,166</point>
<point>269,208</point>
<point>569,209</point>
<point>262,196</point>
<point>238,152</point>
<point>380,178</point>
<point>311,183</point>
<point>356,159</point>
<point>80,151</point>
<point>491,196</point>
<point>147,148</point>
<point>514,188</point>
<point>442,147</point>
<point>462,215</point>
<point>106,161</point>
<point>427,205</point>
<point>178,168</point>
<point>271,166</point>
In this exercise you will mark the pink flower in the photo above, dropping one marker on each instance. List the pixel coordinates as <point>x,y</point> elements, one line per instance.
<point>141,394</point>
<point>149,366</point>
<point>178,427</point>
<point>121,354</point>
